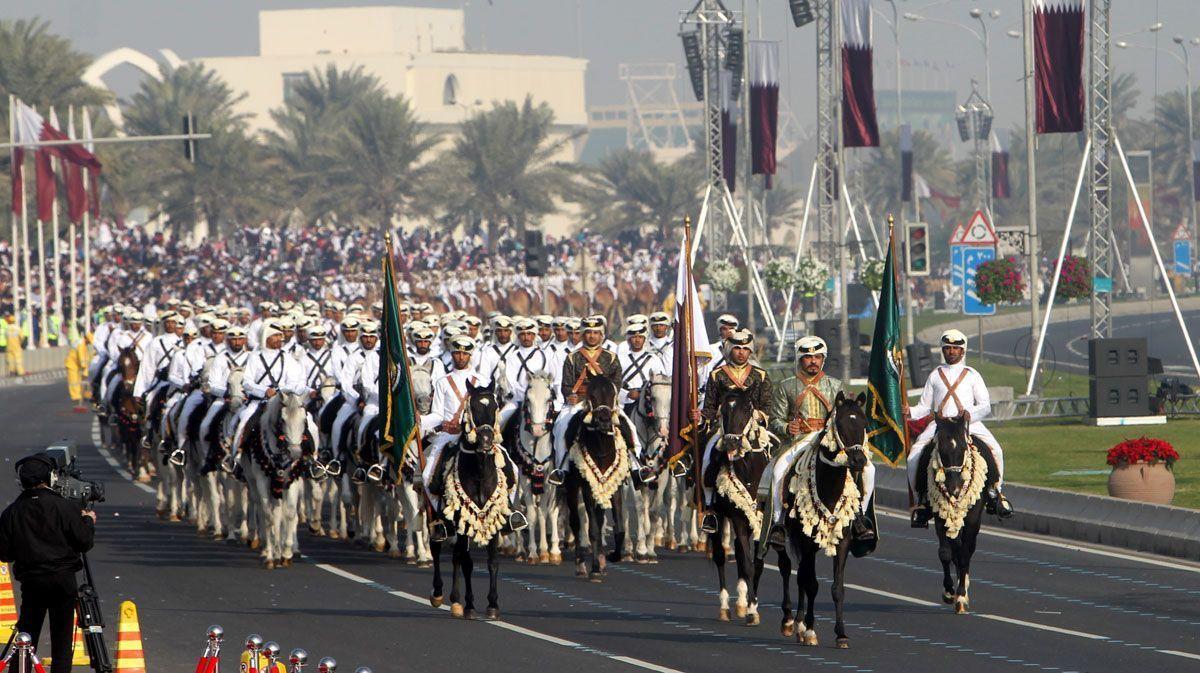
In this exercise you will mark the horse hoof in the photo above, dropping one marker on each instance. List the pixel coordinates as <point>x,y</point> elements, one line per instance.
<point>285,563</point>
<point>947,598</point>
<point>175,518</point>
<point>580,570</point>
<point>723,615</point>
<point>334,535</point>
<point>456,610</point>
<point>625,558</point>
<point>468,614</point>
<point>544,558</point>
<point>532,560</point>
<point>787,629</point>
<point>807,638</point>
<point>641,559</point>
<point>652,559</point>
<point>740,611</point>
<point>436,601</point>
<point>492,614</point>
<point>658,540</point>
<point>425,564</point>
<point>670,545</point>
<point>254,544</point>
<point>556,559</point>
<point>395,553</point>
<point>269,564</point>
<point>843,643</point>
<point>377,547</point>
<point>960,607</point>
<point>753,619</point>
<point>596,577</point>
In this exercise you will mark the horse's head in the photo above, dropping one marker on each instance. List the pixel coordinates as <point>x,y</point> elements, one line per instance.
<point>951,438</point>
<point>741,426</point>
<point>601,403</point>
<point>539,395</point>
<point>848,427</point>
<point>656,402</point>
<point>293,418</point>
<point>479,419</point>
<point>422,388</point>
<point>233,387</point>
<point>327,388</point>
<point>127,364</point>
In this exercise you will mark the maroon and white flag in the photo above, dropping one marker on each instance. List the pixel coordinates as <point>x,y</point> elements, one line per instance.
<point>1001,189</point>
<point>728,131</point>
<point>1058,59</point>
<point>859,125</point>
<point>764,106</point>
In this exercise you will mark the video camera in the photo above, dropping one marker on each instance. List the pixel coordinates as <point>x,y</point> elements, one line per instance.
<point>69,481</point>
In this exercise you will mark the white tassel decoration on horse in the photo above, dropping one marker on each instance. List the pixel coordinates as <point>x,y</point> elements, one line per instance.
<point>952,509</point>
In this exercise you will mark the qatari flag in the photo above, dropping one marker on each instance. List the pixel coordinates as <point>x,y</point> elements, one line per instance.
<point>764,106</point>
<point>728,131</point>
<point>859,126</point>
<point>1000,185</point>
<point>906,163</point>
<point>1058,59</point>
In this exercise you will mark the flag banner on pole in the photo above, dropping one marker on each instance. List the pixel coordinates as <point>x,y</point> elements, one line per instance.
<point>691,338</point>
<point>93,174</point>
<point>46,188</point>
<point>1058,61</point>
<point>18,178</point>
<point>728,131</point>
<point>396,403</point>
<point>1001,189</point>
<point>906,163</point>
<point>885,378</point>
<point>859,125</point>
<point>32,127</point>
<point>764,106</point>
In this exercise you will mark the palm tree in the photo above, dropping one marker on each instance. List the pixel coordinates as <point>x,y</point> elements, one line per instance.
<point>227,181</point>
<point>376,172</point>
<point>41,68</point>
<point>629,190</point>
<point>306,142</point>
<point>881,171</point>
<point>502,168</point>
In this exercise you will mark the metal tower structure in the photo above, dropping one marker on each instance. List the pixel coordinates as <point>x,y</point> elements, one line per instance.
<point>1100,133</point>
<point>829,131</point>
<point>654,121</point>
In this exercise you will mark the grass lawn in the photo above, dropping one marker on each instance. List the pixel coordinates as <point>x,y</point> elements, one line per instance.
<point>1035,450</point>
<point>1062,384</point>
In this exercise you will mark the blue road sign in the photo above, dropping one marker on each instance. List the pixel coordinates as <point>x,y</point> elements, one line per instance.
<point>1183,258</point>
<point>973,256</point>
<point>956,265</point>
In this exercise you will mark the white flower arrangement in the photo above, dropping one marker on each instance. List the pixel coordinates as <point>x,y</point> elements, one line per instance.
<point>778,274</point>
<point>723,275</point>
<point>810,276</point>
<point>872,274</point>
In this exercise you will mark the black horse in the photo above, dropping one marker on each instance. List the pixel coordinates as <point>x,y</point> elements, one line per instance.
<point>959,463</point>
<point>739,459</point>
<point>599,461</point>
<point>475,502</point>
<point>834,461</point>
<point>128,410</point>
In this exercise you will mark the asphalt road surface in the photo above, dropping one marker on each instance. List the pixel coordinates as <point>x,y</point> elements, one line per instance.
<point>1038,604</point>
<point>1067,341</point>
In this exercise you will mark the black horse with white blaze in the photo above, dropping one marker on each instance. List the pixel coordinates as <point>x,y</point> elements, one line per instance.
<point>956,475</point>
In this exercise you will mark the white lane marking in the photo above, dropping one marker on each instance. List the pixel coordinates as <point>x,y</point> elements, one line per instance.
<point>1043,627</point>
<point>507,626</point>
<point>1061,544</point>
<point>881,592</point>
<point>112,462</point>
<point>1177,653</point>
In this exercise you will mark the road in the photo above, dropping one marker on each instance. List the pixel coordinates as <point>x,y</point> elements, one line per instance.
<point>1066,341</point>
<point>1040,604</point>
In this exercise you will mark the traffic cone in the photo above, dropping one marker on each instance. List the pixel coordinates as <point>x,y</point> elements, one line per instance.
<point>8,602</point>
<point>79,655</point>
<point>130,657</point>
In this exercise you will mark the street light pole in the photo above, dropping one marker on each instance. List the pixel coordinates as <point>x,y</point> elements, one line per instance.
<point>1031,171</point>
<point>1191,150</point>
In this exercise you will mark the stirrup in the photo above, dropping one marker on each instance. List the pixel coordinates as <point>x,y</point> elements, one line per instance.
<point>437,532</point>
<point>679,470</point>
<point>647,474</point>
<point>316,471</point>
<point>178,458</point>
<point>1004,508</point>
<point>709,523</point>
<point>334,468</point>
<point>861,529</point>
<point>777,536</point>
<point>375,473</point>
<point>358,476</point>
<point>920,516</point>
<point>556,477</point>
<point>516,522</point>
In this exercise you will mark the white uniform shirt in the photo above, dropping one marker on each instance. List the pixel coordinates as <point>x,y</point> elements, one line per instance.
<point>158,356</point>
<point>491,356</point>
<point>972,393</point>
<point>636,369</point>
<point>347,375</point>
<point>222,366</point>
<point>446,403</point>
<point>368,377</point>
<point>269,368</point>
<point>521,362</point>
<point>139,341</point>
<point>436,371</point>
<point>317,364</point>
<point>342,351</point>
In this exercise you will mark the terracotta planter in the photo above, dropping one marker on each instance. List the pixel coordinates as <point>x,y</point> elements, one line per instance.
<point>1146,482</point>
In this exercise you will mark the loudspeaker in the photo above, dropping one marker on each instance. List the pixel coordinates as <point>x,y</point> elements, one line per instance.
<point>1117,357</point>
<point>1119,396</point>
<point>920,363</point>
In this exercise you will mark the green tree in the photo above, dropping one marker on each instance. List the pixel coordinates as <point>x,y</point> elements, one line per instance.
<point>502,169</point>
<point>881,171</point>
<point>42,69</point>
<point>227,182</point>
<point>630,190</point>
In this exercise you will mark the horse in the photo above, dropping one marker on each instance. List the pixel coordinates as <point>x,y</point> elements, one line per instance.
<point>416,538</point>
<point>598,441</point>
<point>477,477</point>
<point>740,457</point>
<point>529,434</point>
<point>315,484</point>
<point>825,501</point>
<point>274,454</point>
<point>956,476</point>
<point>172,486</point>
<point>651,418</point>
<point>128,411</point>
<point>235,500</point>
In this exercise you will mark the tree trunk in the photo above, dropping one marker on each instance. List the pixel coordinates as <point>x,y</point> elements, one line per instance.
<point>493,229</point>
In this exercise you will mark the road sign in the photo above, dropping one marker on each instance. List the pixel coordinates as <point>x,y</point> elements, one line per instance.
<point>959,231</point>
<point>1181,233</point>
<point>1010,241</point>
<point>956,265</point>
<point>973,256</point>
<point>978,231</point>
<point>1183,257</point>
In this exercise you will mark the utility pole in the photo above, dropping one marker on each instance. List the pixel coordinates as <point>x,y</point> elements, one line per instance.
<point>1031,169</point>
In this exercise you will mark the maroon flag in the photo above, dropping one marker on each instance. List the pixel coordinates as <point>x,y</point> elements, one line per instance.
<point>1058,60</point>
<point>46,189</point>
<point>764,106</point>
<point>76,196</point>
<point>1000,186</point>
<point>728,131</point>
<point>18,179</point>
<point>906,163</point>
<point>690,338</point>
<point>859,125</point>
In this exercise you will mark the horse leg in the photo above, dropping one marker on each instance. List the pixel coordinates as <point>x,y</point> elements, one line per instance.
<point>946,555</point>
<point>743,558</point>
<point>291,521</point>
<point>550,502</point>
<point>573,521</point>
<point>435,596</point>
<point>456,558</point>
<point>468,567</point>
<point>618,511</point>
<point>806,583</point>
<point>493,563</point>
<point>596,530</point>
<point>753,571</point>
<point>718,557</point>
<point>966,549</point>
<point>838,591</point>
<point>787,627</point>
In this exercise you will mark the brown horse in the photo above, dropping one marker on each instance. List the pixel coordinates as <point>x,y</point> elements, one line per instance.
<point>129,410</point>
<point>605,301</point>
<point>520,301</point>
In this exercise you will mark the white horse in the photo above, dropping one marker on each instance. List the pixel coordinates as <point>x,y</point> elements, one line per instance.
<point>272,470</point>
<point>317,484</point>
<point>534,454</point>
<point>235,500</point>
<point>172,485</point>
<point>651,420</point>
<point>411,503</point>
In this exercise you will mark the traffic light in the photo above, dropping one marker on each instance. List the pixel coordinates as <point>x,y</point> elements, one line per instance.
<point>189,144</point>
<point>535,253</point>
<point>916,247</point>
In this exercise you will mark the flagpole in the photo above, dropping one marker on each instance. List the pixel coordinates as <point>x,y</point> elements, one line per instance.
<point>73,323</point>
<point>901,369</point>
<point>87,238</point>
<point>56,266</point>
<point>689,348</point>
<point>15,263</point>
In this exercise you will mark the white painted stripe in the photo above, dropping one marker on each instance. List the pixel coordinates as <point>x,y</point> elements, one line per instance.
<point>1059,543</point>
<point>888,594</point>
<point>108,458</point>
<point>507,626</point>
<point>1042,627</point>
<point>1177,653</point>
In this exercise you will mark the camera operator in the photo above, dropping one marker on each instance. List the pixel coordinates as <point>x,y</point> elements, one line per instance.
<point>43,535</point>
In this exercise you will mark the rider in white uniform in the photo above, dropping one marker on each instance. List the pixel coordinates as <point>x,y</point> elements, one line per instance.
<point>268,372</point>
<point>638,365</point>
<point>347,377</point>
<point>494,353</point>
<point>134,337</point>
<point>442,423</point>
<point>368,377</point>
<point>525,359</point>
<point>661,339</point>
<point>951,390</point>
<point>233,357</point>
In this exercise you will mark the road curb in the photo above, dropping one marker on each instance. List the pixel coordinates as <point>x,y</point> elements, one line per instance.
<point>1157,529</point>
<point>35,378</point>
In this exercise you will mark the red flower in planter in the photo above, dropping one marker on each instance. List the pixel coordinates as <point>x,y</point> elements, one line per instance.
<point>1142,450</point>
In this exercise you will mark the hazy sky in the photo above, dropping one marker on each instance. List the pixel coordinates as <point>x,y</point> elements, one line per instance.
<point>616,31</point>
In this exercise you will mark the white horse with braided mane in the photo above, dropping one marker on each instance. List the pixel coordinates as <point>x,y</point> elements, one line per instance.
<point>534,455</point>
<point>410,503</point>
<point>318,486</point>
<point>652,513</point>
<point>272,474</point>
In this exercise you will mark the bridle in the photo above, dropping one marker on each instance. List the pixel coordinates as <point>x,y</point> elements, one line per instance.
<point>750,439</point>
<point>840,457</point>
<point>470,431</point>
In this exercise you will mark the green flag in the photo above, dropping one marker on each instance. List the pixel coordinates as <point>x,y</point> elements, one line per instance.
<point>886,432</point>
<point>400,422</point>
